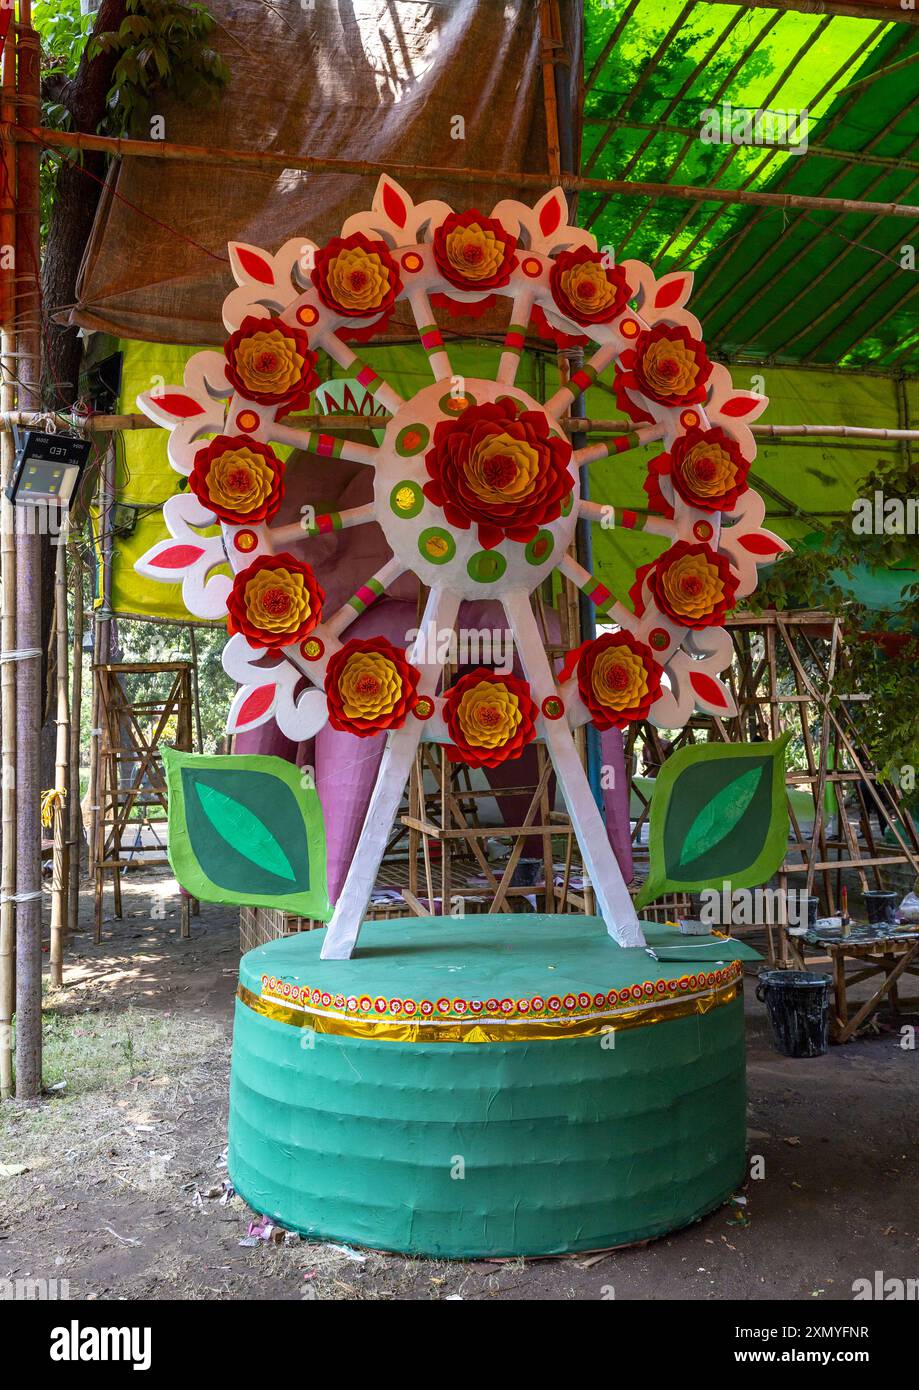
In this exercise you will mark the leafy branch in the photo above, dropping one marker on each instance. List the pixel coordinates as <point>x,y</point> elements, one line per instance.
<point>162,49</point>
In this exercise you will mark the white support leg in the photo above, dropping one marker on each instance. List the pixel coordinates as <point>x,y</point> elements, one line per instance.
<point>609,887</point>
<point>342,933</point>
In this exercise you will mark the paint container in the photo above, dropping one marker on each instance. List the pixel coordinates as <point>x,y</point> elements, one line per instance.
<point>797,1002</point>
<point>881,907</point>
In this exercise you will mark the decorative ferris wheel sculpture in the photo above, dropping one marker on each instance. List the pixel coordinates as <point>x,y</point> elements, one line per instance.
<point>476,489</point>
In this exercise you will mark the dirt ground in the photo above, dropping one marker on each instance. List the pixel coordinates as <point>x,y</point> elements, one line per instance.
<point>117,1182</point>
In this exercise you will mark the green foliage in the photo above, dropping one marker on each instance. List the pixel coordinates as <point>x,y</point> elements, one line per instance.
<point>810,578</point>
<point>163,50</point>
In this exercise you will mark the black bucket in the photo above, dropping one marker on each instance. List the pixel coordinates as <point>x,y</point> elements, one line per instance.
<point>798,1003</point>
<point>881,907</point>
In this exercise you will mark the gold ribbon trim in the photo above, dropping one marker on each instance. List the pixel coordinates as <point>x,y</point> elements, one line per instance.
<point>488,1031</point>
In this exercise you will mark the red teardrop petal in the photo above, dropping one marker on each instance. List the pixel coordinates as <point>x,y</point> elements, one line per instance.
<point>708,689</point>
<point>669,293</point>
<point>254,265</point>
<point>393,205</point>
<point>174,404</point>
<point>177,557</point>
<point>255,704</point>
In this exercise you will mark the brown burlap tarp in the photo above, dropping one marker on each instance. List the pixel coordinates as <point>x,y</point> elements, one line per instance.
<point>352,79</point>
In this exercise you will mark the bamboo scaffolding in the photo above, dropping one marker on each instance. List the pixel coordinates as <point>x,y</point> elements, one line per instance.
<point>264,161</point>
<point>7,631</point>
<point>27,597</point>
<point>59,872</point>
<point>74,832</point>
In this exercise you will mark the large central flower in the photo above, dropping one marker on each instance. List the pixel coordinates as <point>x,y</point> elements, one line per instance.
<point>496,467</point>
<point>238,479</point>
<point>370,686</point>
<point>490,718</point>
<point>275,601</point>
<point>271,363</point>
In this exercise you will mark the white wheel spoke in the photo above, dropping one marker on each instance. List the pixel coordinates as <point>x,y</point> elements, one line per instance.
<point>395,767</point>
<point>365,375</point>
<point>515,337</point>
<point>606,879</point>
<point>323,525</point>
<point>580,380</point>
<point>366,595</point>
<point>332,446</point>
<point>430,335</point>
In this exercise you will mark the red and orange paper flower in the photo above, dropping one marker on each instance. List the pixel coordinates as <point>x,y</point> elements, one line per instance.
<point>271,363</point>
<point>490,718</point>
<point>585,289</point>
<point>667,364</point>
<point>357,277</point>
<point>370,686</point>
<point>238,479</point>
<point>475,253</point>
<point>707,470</point>
<point>693,584</point>
<point>618,679</point>
<point>275,601</point>
<point>497,468</point>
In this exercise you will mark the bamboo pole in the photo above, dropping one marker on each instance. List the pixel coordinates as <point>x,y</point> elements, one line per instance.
<point>59,873</point>
<point>28,596</point>
<point>74,837</point>
<point>550,42</point>
<point>7,627</point>
<point>265,161</point>
<point>891,10</point>
<point>110,424</point>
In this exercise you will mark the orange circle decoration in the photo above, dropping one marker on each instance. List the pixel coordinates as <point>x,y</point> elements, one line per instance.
<point>691,584</point>
<point>275,602</point>
<point>618,680</point>
<point>490,718</point>
<point>247,420</point>
<point>271,363</point>
<point>307,315</point>
<point>245,541</point>
<point>370,686</point>
<point>239,480</point>
<point>531,268</point>
<point>412,262</point>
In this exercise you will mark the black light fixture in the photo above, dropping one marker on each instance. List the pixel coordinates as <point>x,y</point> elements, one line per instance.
<point>47,470</point>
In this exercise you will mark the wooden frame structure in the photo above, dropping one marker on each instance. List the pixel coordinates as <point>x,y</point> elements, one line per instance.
<point>132,777</point>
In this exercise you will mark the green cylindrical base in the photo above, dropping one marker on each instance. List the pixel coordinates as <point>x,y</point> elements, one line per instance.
<point>461,1149</point>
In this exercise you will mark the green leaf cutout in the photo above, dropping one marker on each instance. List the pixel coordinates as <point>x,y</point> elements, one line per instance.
<point>718,818</point>
<point>256,842</point>
<point>719,814</point>
<point>245,830</point>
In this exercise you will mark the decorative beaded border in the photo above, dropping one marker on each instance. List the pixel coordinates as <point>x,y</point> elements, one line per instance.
<point>574,1006</point>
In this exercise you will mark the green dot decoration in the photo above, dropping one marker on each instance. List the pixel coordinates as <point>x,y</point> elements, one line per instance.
<point>406,499</point>
<point>436,545</point>
<point>412,439</point>
<point>540,547</point>
<point>486,566</point>
<point>568,504</point>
